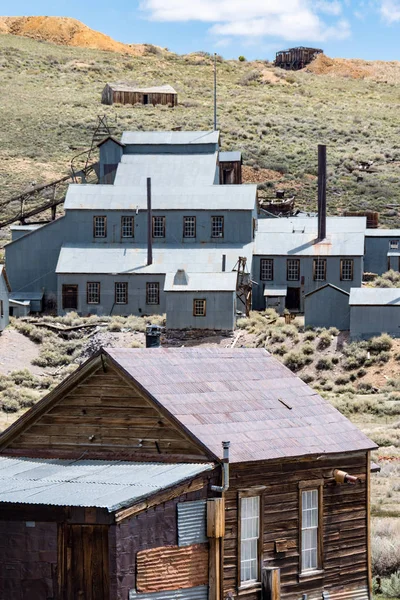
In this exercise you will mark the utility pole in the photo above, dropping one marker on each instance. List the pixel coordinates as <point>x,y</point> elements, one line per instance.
<point>215,91</point>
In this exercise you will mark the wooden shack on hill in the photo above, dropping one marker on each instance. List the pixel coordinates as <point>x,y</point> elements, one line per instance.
<point>294,59</point>
<point>115,485</point>
<point>124,93</point>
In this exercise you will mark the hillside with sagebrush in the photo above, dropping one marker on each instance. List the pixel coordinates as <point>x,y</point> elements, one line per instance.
<point>51,98</point>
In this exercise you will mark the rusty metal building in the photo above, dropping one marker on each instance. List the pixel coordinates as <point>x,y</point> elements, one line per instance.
<point>124,93</point>
<point>115,486</point>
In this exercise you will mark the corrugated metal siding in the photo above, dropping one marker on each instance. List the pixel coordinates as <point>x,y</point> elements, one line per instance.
<point>196,593</point>
<point>192,522</point>
<point>348,594</point>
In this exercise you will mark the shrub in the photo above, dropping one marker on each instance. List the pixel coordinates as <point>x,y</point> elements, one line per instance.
<point>310,335</point>
<point>280,350</point>
<point>382,358</point>
<point>294,360</point>
<point>307,378</point>
<point>308,349</point>
<point>242,58</point>
<point>249,77</point>
<point>391,586</point>
<point>28,397</point>
<point>342,380</point>
<point>290,331</point>
<point>25,378</point>
<point>136,344</point>
<point>324,340</point>
<point>9,405</point>
<point>334,331</point>
<point>324,364</point>
<point>277,336</point>
<point>385,546</point>
<point>383,343</point>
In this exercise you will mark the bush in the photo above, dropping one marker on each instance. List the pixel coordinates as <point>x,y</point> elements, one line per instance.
<point>324,340</point>
<point>290,331</point>
<point>310,335</point>
<point>385,546</point>
<point>383,343</point>
<point>334,331</point>
<point>242,58</point>
<point>294,360</point>
<point>280,350</point>
<point>308,349</point>
<point>324,364</point>
<point>24,378</point>
<point>307,378</point>
<point>9,405</point>
<point>277,336</point>
<point>391,586</point>
<point>249,77</point>
<point>342,380</point>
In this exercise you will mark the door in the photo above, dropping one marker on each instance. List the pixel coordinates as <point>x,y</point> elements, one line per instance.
<point>145,98</point>
<point>83,568</point>
<point>293,298</point>
<point>70,297</point>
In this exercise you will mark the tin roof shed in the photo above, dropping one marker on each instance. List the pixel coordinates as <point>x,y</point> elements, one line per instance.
<point>374,297</point>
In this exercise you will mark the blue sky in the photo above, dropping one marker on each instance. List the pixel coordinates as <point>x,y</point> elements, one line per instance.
<point>255,28</point>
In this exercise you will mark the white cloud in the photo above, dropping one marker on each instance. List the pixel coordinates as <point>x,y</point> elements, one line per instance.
<point>390,10</point>
<point>289,20</point>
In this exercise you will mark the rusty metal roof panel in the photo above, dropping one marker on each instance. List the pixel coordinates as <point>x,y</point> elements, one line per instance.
<point>190,384</point>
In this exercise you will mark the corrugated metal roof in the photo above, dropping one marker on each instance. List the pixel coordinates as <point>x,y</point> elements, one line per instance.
<point>395,233</point>
<point>167,169</point>
<point>393,253</point>
<point>196,593</point>
<point>94,483</point>
<point>192,522</point>
<point>305,244</point>
<point>162,138</point>
<point>235,156</point>
<point>207,282</point>
<point>307,224</point>
<point>375,297</point>
<point>132,260</point>
<point>26,296</point>
<point>127,87</point>
<point>241,395</point>
<point>275,291</point>
<point>327,285</point>
<point>29,227</point>
<point>118,197</point>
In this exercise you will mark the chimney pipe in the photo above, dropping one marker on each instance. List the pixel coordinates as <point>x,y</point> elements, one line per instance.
<point>223,263</point>
<point>225,463</point>
<point>149,225</point>
<point>321,192</point>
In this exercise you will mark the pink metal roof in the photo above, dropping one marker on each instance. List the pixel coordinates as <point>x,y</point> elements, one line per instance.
<point>242,395</point>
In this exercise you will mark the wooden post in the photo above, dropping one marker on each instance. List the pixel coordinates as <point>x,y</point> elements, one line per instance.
<point>214,582</point>
<point>368,492</point>
<point>271,583</point>
<point>215,533</point>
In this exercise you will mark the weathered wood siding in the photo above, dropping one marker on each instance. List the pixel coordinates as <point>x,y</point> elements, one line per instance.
<point>111,96</point>
<point>344,524</point>
<point>230,173</point>
<point>105,416</point>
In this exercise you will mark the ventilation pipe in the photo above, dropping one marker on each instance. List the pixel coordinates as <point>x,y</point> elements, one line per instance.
<point>149,225</point>
<point>321,192</point>
<point>343,477</point>
<point>223,263</point>
<point>225,462</point>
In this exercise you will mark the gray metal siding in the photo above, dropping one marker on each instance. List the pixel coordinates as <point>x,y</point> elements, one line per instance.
<point>220,310</point>
<point>376,249</point>
<point>110,154</point>
<point>4,320</point>
<point>369,321</point>
<point>197,593</point>
<point>306,271</point>
<point>192,518</point>
<point>327,308</point>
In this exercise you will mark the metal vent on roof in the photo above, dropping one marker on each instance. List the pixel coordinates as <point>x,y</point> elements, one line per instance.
<point>192,522</point>
<point>196,593</point>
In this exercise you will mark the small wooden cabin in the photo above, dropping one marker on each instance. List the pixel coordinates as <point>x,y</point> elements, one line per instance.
<point>115,485</point>
<point>230,168</point>
<point>123,93</point>
<point>294,59</point>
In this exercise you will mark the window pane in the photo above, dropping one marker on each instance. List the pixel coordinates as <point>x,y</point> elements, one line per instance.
<point>127,226</point>
<point>250,519</point>
<point>99,227</point>
<point>267,269</point>
<point>158,227</point>
<point>152,293</point>
<point>309,533</point>
<point>217,227</point>
<point>189,227</point>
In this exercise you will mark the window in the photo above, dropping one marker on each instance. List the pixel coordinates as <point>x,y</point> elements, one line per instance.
<point>319,269</point>
<point>309,530</point>
<point>152,293</point>
<point>199,307</point>
<point>127,227</point>
<point>93,293</point>
<point>346,269</point>
<point>99,227</point>
<point>158,227</point>
<point>394,244</point>
<point>189,227</point>
<point>249,539</point>
<point>293,269</point>
<point>121,293</point>
<point>217,227</point>
<point>267,269</point>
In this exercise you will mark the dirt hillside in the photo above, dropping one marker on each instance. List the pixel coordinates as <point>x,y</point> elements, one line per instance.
<point>65,32</point>
<point>388,72</point>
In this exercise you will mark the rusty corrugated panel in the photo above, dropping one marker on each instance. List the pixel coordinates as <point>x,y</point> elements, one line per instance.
<point>192,522</point>
<point>196,593</point>
<point>359,593</point>
<point>170,568</point>
<point>242,395</point>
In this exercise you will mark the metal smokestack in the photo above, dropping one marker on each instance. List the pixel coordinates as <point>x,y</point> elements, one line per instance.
<point>321,192</point>
<point>215,91</point>
<point>149,225</point>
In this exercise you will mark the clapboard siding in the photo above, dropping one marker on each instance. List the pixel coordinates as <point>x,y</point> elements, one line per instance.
<point>105,414</point>
<point>344,523</point>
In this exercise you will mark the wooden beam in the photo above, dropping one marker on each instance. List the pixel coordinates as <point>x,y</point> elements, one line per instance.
<point>214,589</point>
<point>271,583</point>
<point>368,492</point>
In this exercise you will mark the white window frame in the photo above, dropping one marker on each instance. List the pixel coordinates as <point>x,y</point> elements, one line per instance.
<point>93,292</point>
<point>311,527</point>
<point>267,269</point>
<point>127,227</point>
<point>217,227</point>
<point>158,227</point>
<point>100,226</point>
<point>250,530</point>
<point>319,269</point>
<point>346,269</point>
<point>121,292</point>
<point>293,269</point>
<point>189,227</point>
<point>152,293</point>
<point>199,307</point>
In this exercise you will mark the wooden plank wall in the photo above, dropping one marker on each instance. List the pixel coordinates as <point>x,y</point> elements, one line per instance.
<point>344,518</point>
<point>104,416</point>
<point>127,97</point>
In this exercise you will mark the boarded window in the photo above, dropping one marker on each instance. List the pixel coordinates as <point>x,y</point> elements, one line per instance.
<point>346,269</point>
<point>267,269</point>
<point>99,227</point>
<point>249,538</point>
<point>199,307</point>
<point>319,269</point>
<point>127,227</point>
<point>152,293</point>
<point>189,227</point>
<point>293,269</point>
<point>217,227</point>
<point>192,523</point>
<point>121,293</point>
<point>158,227</point>
<point>93,292</point>
<point>309,530</point>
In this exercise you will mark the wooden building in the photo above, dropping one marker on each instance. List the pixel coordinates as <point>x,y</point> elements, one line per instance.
<point>123,93</point>
<point>294,59</point>
<point>115,485</point>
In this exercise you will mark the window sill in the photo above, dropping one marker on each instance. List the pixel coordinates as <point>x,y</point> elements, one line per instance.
<point>311,574</point>
<point>249,588</point>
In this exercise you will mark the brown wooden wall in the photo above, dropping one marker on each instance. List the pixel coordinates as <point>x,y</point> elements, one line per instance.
<point>230,173</point>
<point>111,96</point>
<point>344,523</point>
<point>104,416</point>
